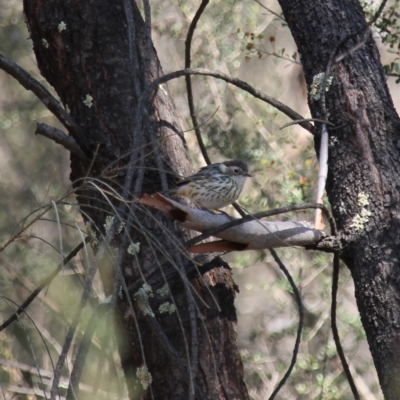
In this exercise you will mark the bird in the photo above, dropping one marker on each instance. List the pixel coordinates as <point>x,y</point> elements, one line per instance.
<point>216,185</point>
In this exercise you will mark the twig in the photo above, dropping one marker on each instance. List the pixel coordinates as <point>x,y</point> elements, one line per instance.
<point>25,227</point>
<point>58,136</point>
<point>29,83</point>
<point>378,13</point>
<point>306,120</point>
<point>299,328</point>
<point>73,387</point>
<point>269,10</point>
<point>30,344</point>
<point>188,43</point>
<point>74,324</point>
<point>194,341</point>
<point>204,122</point>
<point>148,42</point>
<point>335,282</point>
<point>365,34</point>
<point>192,314</point>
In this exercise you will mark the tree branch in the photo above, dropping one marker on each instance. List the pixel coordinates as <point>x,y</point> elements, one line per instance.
<point>236,222</point>
<point>335,332</point>
<point>251,235</point>
<point>188,43</point>
<point>58,136</point>
<point>299,328</point>
<point>29,83</point>
<point>234,81</point>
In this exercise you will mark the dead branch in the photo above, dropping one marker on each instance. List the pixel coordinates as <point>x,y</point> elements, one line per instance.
<point>30,83</point>
<point>252,235</point>
<point>58,136</point>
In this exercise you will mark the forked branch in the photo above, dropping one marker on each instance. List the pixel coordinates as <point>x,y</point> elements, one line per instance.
<point>30,83</point>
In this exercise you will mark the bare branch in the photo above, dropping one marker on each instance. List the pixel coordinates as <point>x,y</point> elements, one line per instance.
<point>98,314</point>
<point>30,83</point>
<point>299,328</point>
<point>74,324</point>
<point>269,10</point>
<point>252,235</point>
<point>58,136</point>
<point>188,43</point>
<point>263,214</point>
<point>306,119</point>
<point>234,81</point>
<point>335,332</point>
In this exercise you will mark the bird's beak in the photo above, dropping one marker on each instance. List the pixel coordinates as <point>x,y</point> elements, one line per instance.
<point>248,175</point>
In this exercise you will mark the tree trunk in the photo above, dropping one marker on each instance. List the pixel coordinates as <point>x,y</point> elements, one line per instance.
<point>98,59</point>
<point>364,166</point>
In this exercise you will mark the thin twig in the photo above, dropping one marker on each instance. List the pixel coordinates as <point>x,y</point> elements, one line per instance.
<point>144,99</point>
<point>73,387</point>
<point>269,10</point>
<point>335,332</point>
<point>203,123</point>
<point>192,313</point>
<point>30,344</point>
<point>299,328</point>
<point>74,324</point>
<point>188,43</point>
<point>15,236</point>
<point>149,126</point>
<point>148,42</point>
<point>194,340</point>
<point>306,120</point>
<point>365,34</point>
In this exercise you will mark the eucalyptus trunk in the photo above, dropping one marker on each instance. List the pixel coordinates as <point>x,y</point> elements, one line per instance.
<point>98,58</point>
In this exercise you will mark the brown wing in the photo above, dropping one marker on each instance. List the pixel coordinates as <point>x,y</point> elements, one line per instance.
<point>204,173</point>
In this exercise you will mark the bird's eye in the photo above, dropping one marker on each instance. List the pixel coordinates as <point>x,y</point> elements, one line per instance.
<point>236,171</point>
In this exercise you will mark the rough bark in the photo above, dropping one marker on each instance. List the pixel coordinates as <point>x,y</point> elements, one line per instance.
<point>363,158</point>
<point>103,52</point>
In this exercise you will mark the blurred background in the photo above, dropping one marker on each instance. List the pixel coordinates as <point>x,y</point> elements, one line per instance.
<point>248,40</point>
